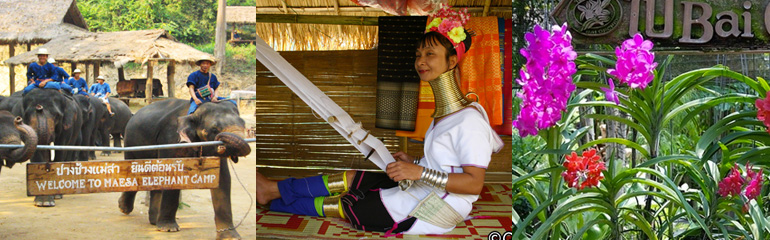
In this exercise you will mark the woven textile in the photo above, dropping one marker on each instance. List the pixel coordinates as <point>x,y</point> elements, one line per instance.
<point>506,127</point>
<point>397,81</point>
<point>492,212</point>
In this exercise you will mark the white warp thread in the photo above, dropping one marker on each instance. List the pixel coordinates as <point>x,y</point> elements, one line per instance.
<point>323,105</point>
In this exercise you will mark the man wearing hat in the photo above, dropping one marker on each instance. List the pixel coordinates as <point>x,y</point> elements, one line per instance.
<point>61,76</point>
<point>77,83</point>
<point>41,73</point>
<point>101,90</point>
<point>203,84</point>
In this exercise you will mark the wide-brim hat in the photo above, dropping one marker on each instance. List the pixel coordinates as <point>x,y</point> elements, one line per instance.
<point>205,58</point>
<point>100,77</point>
<point>42,51</point>
<point>76,71</point>
<point>51,60</point>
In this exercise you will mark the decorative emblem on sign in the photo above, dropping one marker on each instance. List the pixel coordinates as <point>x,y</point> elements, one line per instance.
<point>594,17</point>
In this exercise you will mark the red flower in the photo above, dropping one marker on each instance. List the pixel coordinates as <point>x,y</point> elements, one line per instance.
<point>732,184</point>
<point>583,171</point>
<point>763,110</point>
<point>755,184</point>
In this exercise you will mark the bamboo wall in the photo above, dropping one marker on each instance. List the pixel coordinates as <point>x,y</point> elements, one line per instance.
<point>292,142</point>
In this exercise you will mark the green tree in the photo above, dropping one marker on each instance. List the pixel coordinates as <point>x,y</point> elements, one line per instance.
<point>189,21</point>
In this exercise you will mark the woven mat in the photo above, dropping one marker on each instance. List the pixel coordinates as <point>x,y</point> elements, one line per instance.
<point>493,210</point>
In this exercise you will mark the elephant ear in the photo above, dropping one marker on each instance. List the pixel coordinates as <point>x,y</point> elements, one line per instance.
<point>186,129</point>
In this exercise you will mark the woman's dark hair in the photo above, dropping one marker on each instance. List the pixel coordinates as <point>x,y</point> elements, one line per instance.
<point>429,38</point>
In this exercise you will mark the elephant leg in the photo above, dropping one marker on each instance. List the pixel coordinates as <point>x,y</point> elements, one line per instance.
<point>43,201</point>
<point>116,140</point>
<point>105,142</point>
<point>220,198</point>
<point>155,197</point>
<point>167,216</point>
<point>126,202</point>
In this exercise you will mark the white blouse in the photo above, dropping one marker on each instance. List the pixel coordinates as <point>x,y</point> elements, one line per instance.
<point>463,138</point>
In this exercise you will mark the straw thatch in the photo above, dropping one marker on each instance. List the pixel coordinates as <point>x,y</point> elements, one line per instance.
<point>26,21</point>
<point>117,47</point>
<point>240,15</point>
<point>314,37</point>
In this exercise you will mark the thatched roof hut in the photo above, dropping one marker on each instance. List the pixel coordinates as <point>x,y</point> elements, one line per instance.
<point>26,21</point>
<point>240,14</point>
<point>117,47</point>
<point>143,46</point>
<point>313,37</point>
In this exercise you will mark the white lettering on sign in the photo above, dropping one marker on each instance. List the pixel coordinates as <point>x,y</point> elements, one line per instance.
<point>164,180</point>
<point>203,179</point>
<point>148,166</point>
<point>79,169</point>
<point>121,176</point>
<point>120,182</point>
<point>61,184</point>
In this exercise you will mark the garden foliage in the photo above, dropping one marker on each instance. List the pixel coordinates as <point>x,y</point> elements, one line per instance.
<point>710,187</point>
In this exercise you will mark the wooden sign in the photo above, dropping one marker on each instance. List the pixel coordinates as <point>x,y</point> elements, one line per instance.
<point>122,176</point>
<point>688,25</point>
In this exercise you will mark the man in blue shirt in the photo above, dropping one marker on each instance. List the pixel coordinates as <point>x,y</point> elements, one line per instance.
<point>61,76</point>
<point>102,91</point>
<point>77,83</point>
<point>200,79</point>
<point>41,73</point>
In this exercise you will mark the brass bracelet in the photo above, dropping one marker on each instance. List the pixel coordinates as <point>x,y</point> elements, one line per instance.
<point>417,160</point>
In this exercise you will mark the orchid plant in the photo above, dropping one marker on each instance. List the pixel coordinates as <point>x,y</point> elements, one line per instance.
<point>646,198</point>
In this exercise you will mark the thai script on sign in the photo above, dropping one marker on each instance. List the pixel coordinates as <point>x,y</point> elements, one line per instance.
<point>79,169</point>
<point>158,166</point>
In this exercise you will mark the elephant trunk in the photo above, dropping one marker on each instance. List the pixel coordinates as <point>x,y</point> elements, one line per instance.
<point>43,127</point>
<point>29,137</point>
<point>234,144</point>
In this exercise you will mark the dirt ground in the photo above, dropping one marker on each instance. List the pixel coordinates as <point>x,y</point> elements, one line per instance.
<point>96,216</point>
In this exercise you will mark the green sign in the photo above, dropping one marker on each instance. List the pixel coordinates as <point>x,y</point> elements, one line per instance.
<point>688,25</point>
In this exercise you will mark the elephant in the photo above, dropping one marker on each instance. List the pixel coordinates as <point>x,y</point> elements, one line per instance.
<point>56,119</point>
<point>111,125</point>
<point>14,131</point>
<point>85,138</point>
<point>8,103</point>
<point>167,122</point>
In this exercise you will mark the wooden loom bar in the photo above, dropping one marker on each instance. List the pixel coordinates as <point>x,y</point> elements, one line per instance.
<point>316,19</point>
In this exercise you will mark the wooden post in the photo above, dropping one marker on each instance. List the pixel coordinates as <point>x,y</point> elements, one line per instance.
<point>86,76</point>
<point>170,71</point>
<point>148,89</point>
<point>486,8</point>
<point>11,69</point>
<point>403,144</point>
<point>220,39</point>
<point>96,69</point>
<point>29,47</point>
<point>121,76</point>
<point>73,66</point>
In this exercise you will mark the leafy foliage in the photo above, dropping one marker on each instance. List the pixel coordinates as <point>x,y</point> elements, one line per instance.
<point>189,21</point>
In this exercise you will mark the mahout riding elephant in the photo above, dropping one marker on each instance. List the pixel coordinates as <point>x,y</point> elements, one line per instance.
<point>167,122</point>
<point>85,138</point>
<point>112,125</point>
<point>56,119</point>
<point>14,131</point>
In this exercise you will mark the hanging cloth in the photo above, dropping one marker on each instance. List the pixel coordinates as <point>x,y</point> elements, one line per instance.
<point>397,81</point>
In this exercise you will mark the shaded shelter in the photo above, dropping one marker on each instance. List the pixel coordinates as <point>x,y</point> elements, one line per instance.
<point>119,48</point>
<point>27,22</point>
<point>238,16</point>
